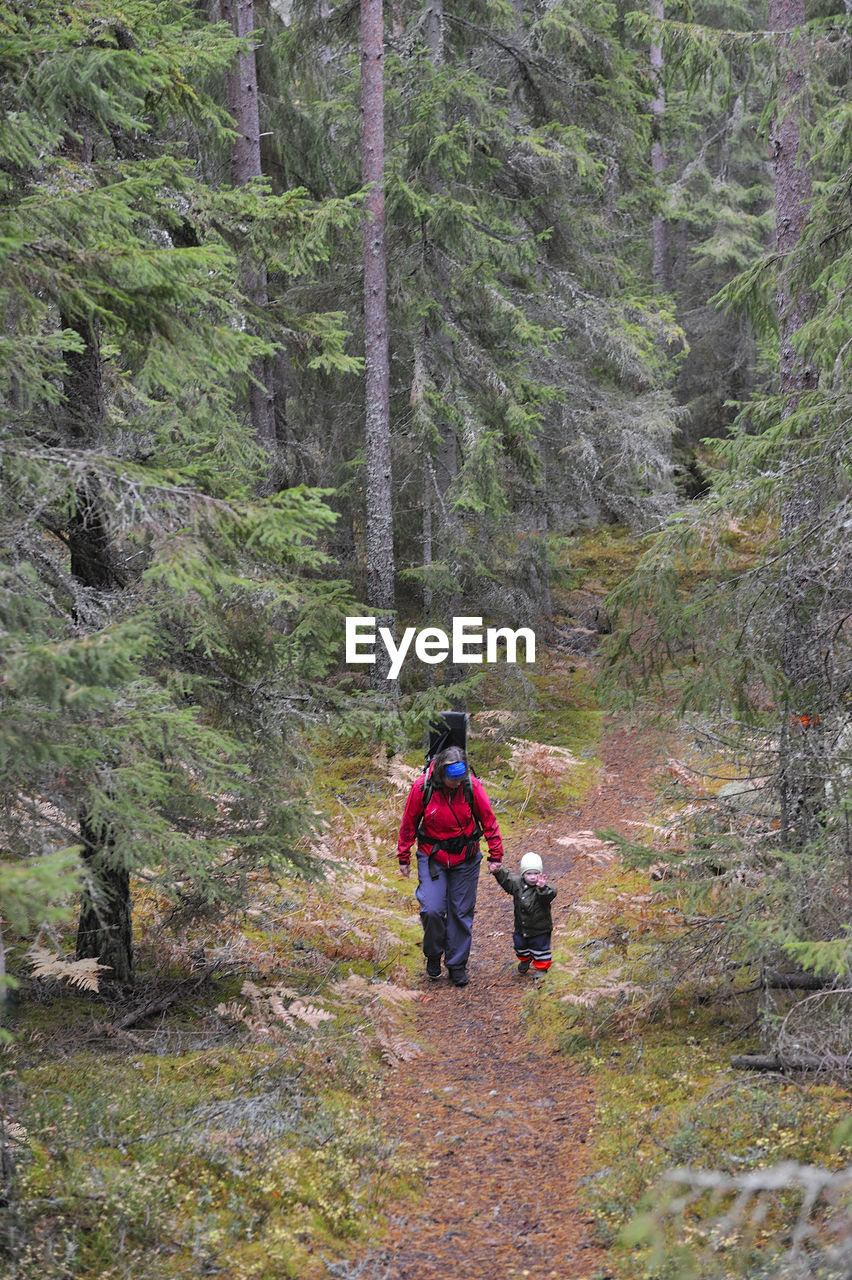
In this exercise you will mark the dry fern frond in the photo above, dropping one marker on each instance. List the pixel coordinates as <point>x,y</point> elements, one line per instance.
<point>269,1016</point>
<point>392,994</point>
<point>352,884</point>
<point>12,1133</point>
<point>399,775</point>
<point>347,940</point>
<point>490,723</point>
<point>79,973</point>
<point>355,985</point>
<point>277,1008</point>
<point>651,830</point>
<point>312,1014</point>
<point>395,1048</point>
<point>381,1001</point>
<point>232,1011</point>
<point>593,996</point>
<point>586,844</point>
<point>534,760</point>
<point>358,988</point>
<point>359,844</point>
<point>690,778</point>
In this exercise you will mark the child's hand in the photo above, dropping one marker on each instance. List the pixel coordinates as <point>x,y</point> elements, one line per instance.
<point>540,881</point>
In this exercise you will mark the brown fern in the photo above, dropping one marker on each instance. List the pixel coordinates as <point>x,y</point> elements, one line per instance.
<point>77,973</point>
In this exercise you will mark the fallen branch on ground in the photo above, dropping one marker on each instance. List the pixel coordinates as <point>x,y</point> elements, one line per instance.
<point>800,1062</point>
<point>162,1003</point>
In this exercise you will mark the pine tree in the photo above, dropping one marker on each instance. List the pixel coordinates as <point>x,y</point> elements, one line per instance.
<point>246,163</point>
<point>804,657</point>
<point>379,512</point>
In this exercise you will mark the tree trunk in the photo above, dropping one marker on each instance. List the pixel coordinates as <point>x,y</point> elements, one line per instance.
<point>428,485</point>
<point>421,421</point>
<point>246,164</point>
<point>92,562</point>
<point>243,95</point>
<point>658,159</point>
<point>434,30</point>
<point>380,561</point>
<point>802,656</point>
<point>83,383</point>
<point>105,931</point>
<point>437,339</point>
<point>444,465</point>
<point>2,975</point>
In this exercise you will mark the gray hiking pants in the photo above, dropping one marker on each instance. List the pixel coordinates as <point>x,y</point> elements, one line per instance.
<point>446,909</point>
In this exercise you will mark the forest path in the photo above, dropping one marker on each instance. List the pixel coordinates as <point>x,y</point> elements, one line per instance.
<point>499,1120</point>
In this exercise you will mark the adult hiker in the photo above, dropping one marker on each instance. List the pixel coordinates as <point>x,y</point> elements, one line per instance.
<point>448,812</point>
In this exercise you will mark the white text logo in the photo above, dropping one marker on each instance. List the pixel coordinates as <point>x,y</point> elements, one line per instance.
<point>433,645</point>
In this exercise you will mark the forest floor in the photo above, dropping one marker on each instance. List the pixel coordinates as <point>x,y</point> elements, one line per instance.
<point>499,1120</point>
<point>272,1121</point>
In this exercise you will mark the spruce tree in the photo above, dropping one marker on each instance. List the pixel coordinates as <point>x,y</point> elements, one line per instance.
<point>715,195</point>
<point>746,594</point>
<point>162,631</point>
<point>529,358</point>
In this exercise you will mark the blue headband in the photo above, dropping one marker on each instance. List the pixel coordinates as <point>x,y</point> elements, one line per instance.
<point>457,769</point>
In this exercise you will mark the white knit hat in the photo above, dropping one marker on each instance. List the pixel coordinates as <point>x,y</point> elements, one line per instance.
<point>531,862</point>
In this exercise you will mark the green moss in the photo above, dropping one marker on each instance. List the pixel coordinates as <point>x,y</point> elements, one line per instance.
<point>245,1159</point>
<point>601,558</point>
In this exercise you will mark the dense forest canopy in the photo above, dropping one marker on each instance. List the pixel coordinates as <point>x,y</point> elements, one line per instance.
<point>617,248</point>
<point>315,312</point>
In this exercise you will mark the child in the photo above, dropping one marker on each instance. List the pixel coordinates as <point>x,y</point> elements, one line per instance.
<point>533,921</point>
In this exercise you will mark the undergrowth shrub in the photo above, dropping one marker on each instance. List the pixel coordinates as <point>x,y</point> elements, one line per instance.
<point>661,973</point>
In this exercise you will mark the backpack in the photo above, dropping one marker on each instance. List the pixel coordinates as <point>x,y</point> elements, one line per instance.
<point>449,731</point>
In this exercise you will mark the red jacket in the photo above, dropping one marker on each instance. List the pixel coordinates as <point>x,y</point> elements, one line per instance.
<point>447,815</point>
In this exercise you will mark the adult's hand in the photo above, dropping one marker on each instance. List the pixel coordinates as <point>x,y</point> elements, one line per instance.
<point>405,869</point>
<point>492,867</point>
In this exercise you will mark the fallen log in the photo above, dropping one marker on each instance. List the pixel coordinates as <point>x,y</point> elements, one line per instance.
<point>800,1062</point>
<point>796,981</point>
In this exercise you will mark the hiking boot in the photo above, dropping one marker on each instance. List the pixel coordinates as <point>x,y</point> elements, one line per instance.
<point>524,965</point>
<point>433,966</point>
<point>459,977</point>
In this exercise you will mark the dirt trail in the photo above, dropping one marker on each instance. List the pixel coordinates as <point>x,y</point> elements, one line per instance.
<point>500,1120</point>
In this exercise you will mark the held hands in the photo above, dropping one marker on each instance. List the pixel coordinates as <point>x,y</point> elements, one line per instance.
<point>493,867</point>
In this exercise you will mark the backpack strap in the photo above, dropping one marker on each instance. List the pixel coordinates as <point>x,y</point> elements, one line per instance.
<point>427,791</point>
<point>469,840</point>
